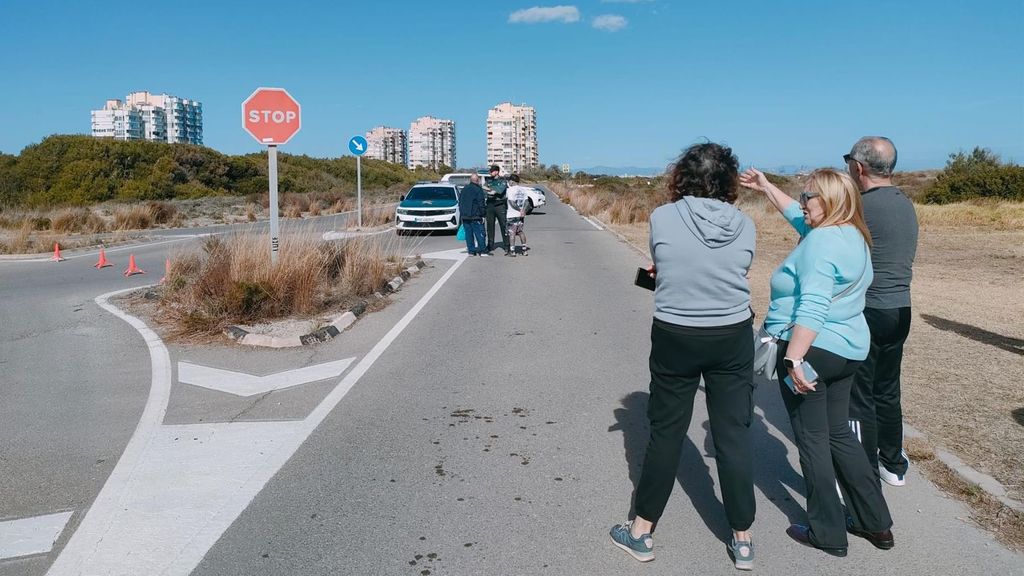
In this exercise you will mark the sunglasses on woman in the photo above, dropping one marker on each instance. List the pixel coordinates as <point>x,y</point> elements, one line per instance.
<point>806,197</point>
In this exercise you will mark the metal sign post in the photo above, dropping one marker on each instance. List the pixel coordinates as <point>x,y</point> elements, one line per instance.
<point>275,242</point>
<point>272,117</point>
<point>357,145</point>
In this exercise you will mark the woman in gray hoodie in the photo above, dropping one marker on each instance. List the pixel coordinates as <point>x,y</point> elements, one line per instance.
<point>702,247</point>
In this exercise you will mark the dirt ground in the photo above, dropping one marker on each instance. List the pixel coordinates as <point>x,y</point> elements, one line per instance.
<point>963,365</point>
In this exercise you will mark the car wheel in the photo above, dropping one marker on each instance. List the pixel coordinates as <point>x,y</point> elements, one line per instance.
<point>529,205</point>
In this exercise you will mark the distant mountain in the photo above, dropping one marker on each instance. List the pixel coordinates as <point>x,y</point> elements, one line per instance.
<point>621,171</point>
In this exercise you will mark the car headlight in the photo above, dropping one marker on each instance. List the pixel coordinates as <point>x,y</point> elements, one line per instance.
<point>401,211</point>
<point>451,211</point>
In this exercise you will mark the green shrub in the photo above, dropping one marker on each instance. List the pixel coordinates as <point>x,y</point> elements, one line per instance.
<point>978,175</point>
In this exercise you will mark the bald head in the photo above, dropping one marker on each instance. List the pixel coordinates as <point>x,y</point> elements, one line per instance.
<point>877,154</point>
<point>475,178</point>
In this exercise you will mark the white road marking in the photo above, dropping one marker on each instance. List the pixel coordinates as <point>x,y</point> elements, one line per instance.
<point>592,223</point>
<point>241,384</point>
<point>176,489</point>
<point>453,254</point>
<point>327,236</point>
<point>27,536</point>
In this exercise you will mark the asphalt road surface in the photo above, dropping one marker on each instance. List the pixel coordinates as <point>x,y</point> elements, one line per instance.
<point>490,420</point>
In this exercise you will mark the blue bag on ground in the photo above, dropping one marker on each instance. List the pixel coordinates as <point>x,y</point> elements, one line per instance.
<point>461,234</point>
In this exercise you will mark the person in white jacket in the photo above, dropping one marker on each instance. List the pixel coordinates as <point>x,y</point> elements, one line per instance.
<point>515,216</point>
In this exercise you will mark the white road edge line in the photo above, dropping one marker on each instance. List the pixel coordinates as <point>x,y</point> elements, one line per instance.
<point>592,223</point>
<point>98,519</point>
<point>28,536</point>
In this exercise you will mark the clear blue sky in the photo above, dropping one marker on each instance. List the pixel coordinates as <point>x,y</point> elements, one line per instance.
<point>782,82</point>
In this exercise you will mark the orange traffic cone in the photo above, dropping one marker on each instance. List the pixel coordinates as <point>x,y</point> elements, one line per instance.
<point>167,271</point>
<point>56,253</point>
<point>103,262</point>
<point>132,268</point>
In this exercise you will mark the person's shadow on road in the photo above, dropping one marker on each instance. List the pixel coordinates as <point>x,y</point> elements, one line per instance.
<point>772,470</point>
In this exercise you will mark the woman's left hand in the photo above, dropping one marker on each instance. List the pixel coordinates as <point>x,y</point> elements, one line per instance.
<point>800,383</point>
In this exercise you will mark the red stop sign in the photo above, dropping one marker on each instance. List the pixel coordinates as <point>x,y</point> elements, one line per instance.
<point>271,116</point>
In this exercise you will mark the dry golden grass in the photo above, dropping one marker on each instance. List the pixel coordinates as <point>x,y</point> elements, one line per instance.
<point>133,217</point>
<point>74,220</point>
<point>231,280</point>
<point>994,215</point>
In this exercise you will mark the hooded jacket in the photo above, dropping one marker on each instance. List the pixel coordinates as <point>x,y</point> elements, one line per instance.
<point>702,249</point>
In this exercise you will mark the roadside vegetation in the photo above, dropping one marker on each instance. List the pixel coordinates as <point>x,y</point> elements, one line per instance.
<point>80,191</point>
<point>230,280</point>
<point>968,325</point>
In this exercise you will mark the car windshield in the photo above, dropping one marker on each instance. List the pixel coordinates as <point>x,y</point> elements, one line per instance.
<point>459,180</point>
<point>431,193</point>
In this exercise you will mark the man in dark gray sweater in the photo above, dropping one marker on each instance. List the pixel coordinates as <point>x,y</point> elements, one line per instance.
<point>876,414</point>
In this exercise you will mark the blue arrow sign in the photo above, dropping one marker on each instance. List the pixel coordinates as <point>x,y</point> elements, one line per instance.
<point>357,145</point>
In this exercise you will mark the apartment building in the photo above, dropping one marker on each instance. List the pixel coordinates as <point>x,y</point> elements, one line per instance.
<point>146,116</point>
<point>117,121</point>
<point>512,137</point>
<point>431,143</point>
<point>388,144</point>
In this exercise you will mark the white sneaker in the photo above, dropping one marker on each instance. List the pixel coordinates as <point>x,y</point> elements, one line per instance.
<point>891,478</point>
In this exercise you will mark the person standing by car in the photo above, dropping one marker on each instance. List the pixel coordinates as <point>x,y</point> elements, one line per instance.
<point>816,310</point>
<point>516,216</point>
<point>702,247</point>
<point>876,413</point>
<point>471,208</point>
<point>496,189</point>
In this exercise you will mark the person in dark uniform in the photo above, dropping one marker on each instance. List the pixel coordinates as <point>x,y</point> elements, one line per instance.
<point>496,190</point>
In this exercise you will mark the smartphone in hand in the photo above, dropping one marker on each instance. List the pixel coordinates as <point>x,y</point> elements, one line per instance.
<point>809,374</point>
<point>643,279</point>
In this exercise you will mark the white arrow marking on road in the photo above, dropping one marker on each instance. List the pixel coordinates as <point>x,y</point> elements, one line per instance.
<point>241,384</point>
<point>28,536</point>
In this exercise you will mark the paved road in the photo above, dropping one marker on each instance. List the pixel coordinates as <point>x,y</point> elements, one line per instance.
<point>491,421</point>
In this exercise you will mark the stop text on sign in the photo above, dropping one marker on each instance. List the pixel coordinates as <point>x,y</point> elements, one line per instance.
<point>275,116</point>
<point>271,116</point>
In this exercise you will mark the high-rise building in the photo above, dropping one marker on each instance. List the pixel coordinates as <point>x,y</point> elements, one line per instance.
<point>431,143</point>
<point>160,117</point>
<point>512,137</point>
<point>388,144</point>
<point>117,121</point>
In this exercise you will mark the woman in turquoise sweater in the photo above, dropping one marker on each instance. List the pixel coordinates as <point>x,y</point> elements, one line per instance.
<point>817,304</point>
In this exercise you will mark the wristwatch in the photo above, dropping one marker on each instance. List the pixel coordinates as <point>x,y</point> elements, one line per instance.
<point>791,363</point>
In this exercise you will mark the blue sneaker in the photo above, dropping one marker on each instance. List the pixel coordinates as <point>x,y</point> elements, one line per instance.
<point>742,554</point>
<point>641,548</point>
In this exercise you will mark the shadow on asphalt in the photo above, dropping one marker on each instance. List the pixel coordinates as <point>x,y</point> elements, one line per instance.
<point>1008,343</point>
<point>772,471</point>
<point>1018,415</point>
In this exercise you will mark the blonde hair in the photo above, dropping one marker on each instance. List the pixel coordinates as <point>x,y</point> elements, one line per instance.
<point>841,199</point>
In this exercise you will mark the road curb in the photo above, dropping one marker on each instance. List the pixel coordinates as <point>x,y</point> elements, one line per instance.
<point>968,474</point>
<point>334,329</point>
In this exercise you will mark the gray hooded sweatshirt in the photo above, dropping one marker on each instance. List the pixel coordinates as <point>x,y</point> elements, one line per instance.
<point>702,249</point>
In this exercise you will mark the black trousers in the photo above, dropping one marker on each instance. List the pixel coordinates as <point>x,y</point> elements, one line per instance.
<point>680,355</point>
<point>876,414</point>
<point>496,211</point>
<point>829,451</point>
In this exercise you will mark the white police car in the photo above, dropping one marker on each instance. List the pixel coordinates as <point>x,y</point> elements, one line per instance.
<point>534,196</point>
<point>429,206</point>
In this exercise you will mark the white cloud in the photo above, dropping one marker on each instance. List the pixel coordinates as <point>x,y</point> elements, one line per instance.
<point>537,14</point>
<point>623,1</point>
<point>610,22</point>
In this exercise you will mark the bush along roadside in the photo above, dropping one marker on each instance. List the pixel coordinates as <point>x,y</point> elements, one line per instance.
<point>230,279</point>
<point>334,327</point>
